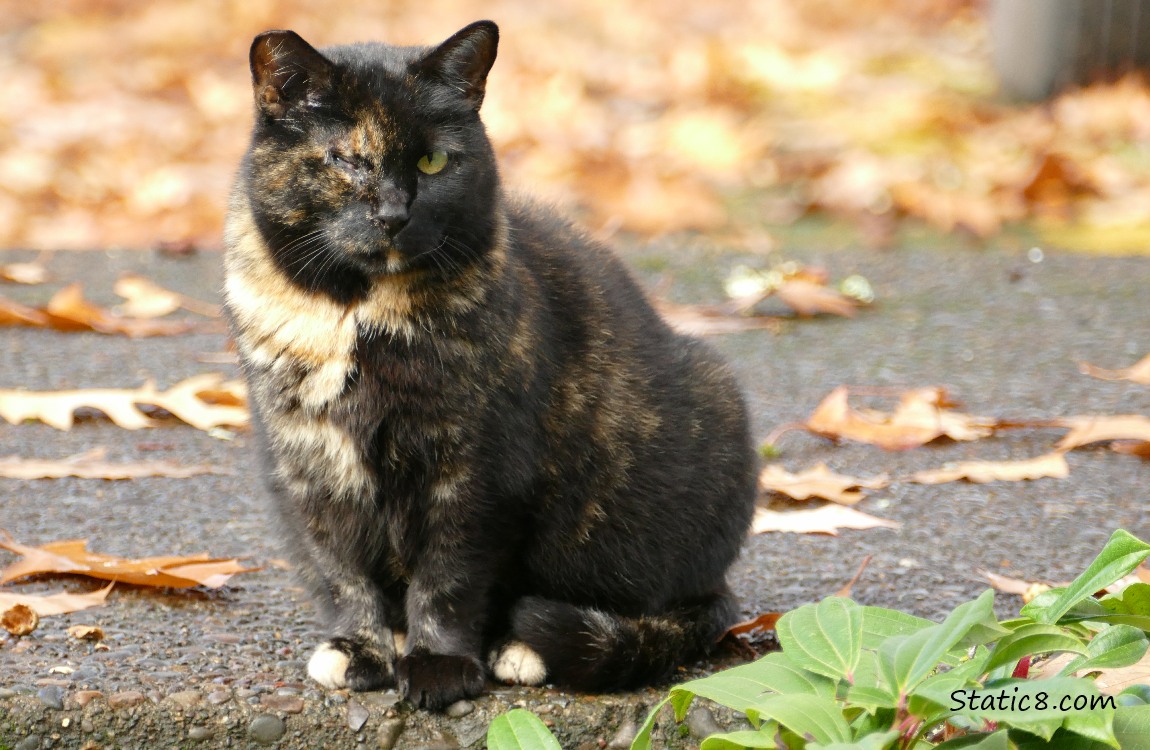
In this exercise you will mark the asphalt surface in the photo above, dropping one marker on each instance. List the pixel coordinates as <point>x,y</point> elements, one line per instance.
<point>226,668</point>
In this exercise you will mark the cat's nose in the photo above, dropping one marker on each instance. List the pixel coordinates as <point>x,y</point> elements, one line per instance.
<point>392,216</point>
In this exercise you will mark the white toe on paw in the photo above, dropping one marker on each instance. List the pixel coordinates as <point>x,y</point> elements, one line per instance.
<point>328,667</point>
<point>519,664</point>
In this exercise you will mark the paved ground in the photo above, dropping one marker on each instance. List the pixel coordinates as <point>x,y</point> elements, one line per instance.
<point>226,668</point>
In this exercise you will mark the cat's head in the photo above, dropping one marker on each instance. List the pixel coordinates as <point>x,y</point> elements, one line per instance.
<point>370,159</point>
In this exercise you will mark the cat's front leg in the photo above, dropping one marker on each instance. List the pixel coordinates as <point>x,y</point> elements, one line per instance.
<point>361,654</point>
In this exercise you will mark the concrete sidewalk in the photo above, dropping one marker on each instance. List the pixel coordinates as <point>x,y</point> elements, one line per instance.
<point>226,668</point>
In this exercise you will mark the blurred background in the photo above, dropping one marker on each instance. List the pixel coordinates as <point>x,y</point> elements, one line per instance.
<point>121,121</point>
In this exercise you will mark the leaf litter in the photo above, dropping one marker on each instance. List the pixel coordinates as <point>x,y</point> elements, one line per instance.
<point>819,482</point>
<point>204,401</point>
<point>92,465</point>
<point>1139,372</point>
<point>72,557</point>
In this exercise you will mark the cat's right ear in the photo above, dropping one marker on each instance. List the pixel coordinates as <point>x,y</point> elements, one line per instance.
<point>286,70</point>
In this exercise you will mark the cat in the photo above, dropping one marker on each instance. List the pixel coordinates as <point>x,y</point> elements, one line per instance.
<point>489,455</point>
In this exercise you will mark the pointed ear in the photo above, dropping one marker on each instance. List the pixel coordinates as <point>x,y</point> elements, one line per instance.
<point>463,61</point>
<point>286,70</point>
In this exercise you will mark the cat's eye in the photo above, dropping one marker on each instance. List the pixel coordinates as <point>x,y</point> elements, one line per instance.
<point>342,161</point>
<point>432,163</point>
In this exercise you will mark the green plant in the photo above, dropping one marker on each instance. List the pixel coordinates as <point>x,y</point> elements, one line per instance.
<point>850,676</point>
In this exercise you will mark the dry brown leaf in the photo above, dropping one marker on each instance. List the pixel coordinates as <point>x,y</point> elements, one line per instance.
<point>56,604</point>
<point>198,400</point>
<point>86,632</point>
<point>710,320</point>
<point>91,465</point>
<point>1088,429</point>
<point>820,482</point>
<point>1140,448</point>
<point>922,415</point>
<point>845,590</point>
<point>147,299</point>
<point>1139,372</point>
<point>1026,589</point>
<point>24,273</point>
<point>70,311</point>
<point>763,622</point>
<point>1108,680</point>
<point>808,297</point>
<point>72,557</point>
<point>1049,465</point>
<point>827,519</point>
<point>20,619</point>
<point>13,313</point>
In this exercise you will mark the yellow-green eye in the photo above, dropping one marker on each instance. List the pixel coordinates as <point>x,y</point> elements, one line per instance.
<point>432,163</point>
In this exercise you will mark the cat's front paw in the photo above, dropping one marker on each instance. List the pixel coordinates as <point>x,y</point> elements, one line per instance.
<point>341,663</point>
<point>435,681</point>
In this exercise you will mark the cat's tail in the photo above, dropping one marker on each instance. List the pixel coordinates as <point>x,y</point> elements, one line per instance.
<point>595,651</point>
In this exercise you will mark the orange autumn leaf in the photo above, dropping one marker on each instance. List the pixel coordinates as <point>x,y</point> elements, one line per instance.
<point>1140,448</point>
<point>92,465</point>
<point>820,482</point>
<point>69,310</point>
<point>13,313</point>
<point>196,400</point>
<point>922,415</point>
<point>827,519</point>
<point>1088,429</point>
<point>55,604</point>
<point>808,298</point>
<point>73,557</point>
<point>763,622</point>
<point>1051,465</point>
<point>1139,372</point>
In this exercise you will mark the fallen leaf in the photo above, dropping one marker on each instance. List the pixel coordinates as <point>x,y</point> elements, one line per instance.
<point>20,619</point>
<point>147,299</point>
<point>818,481</point>
<point>1139,372</point>
<point>203,401</point>
<point>1140,448</point>
<point>810,298</point>
<point>1049,465</point>
<point>72,557</point>
<point>763,622</point>
<point>24,273</point>
<point>70,311</point>
<point>13,313</point>
<point>86,632</point>
<point>1108,680</point>
<point>56,604</point>
<point>91,465</point>
<point>845,591</point>
<point>1093,429</point>
<point>710,320</point>
<point>824,520</point>
<point>1026,589</point>
<point>922,415</point>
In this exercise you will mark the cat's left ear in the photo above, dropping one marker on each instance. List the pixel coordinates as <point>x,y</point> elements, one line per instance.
<point>463,61</point>
<point>286,70</point>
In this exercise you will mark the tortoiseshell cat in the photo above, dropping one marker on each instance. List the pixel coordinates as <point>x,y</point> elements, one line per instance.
<point>487,450</point>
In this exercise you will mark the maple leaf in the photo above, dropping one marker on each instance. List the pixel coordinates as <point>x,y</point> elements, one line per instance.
<point>72,557</point>
<point>922,415</point>
<point>203,401</point>
<point>91,465</point>
<point>818,481</point>
<point>1086,429</point>
<point>1049,465</point>
<point>827,519</point>
<point>55,604</point>
<point>1139,372</point>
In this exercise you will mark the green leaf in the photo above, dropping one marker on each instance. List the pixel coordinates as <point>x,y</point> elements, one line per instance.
<point>1116,646</point>
<point>643,737</point>
<point>738,740</point>
<point>906,660</point>
<point>880,624</point>
<point>869,742</point>
<point>825,638</point>
<point>995,741</point>
<point>744,687</point>
<point>1122,554</point>
<point>1134,600</point>
<point>816,717</point>
<point>519,729</point>
<point>1031,640</point>
<point>1132,726</point>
